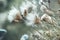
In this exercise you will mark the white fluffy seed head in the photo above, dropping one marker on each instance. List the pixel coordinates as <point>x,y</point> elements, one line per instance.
<point>30,19</point>
<point>26,5</point>
<point>46,18</point>
<point>12,14</point>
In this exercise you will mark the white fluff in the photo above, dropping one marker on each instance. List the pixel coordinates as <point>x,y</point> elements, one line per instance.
<point>47,17</point>
<point>30,18</point>
<point>30,4</point>
<point>12,14</point>
<point>26,5</point>
<point>24,37</point>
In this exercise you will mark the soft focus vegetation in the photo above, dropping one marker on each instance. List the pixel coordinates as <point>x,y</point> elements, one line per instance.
<point>45,30</point>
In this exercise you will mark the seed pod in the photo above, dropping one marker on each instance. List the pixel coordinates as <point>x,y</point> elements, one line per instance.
<point>37,20</point>
<point>46,18</point>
